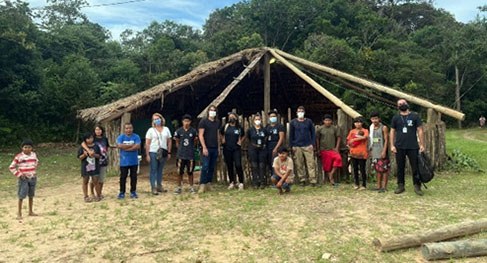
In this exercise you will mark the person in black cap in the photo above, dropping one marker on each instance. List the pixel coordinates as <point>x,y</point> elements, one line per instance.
<point>277,135</point>
<point>186,138</point>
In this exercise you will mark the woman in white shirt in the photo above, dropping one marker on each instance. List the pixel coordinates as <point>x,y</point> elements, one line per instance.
<point>157,137</point>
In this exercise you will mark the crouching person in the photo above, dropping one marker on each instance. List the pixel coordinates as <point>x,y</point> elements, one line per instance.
<point>283,176</point>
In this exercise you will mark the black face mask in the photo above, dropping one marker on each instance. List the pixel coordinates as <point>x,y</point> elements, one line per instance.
<point>231,120</point>
<point>403,107</point>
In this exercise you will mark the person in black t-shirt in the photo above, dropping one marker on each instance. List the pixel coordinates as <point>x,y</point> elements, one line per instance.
<point>277,135</point>
<point>209,138</point>
<point>406,129</point>
<point>232,138</point>
<point>257,136</point>
<point>186,138</point>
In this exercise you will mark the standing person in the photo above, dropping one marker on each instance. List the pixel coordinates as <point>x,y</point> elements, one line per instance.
<point>209,137</point>
<point>90,166</point>
<point>302,138</point>
<point>406,130</point>
<point>257,152</point>
<point>102,142</point>
<point>328,141</point>
<point>379,141</point>
<point>24,167</point>
<point>232,138</point>
<point>277,135</point>
<point>357,140</point>
<point>157,137</point>
<point>129,145</point>
<point>283,176</point>
<point>482,121</point>
<point>186,138</point>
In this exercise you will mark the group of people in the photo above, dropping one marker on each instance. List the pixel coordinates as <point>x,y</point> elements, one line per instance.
<point>269,158</point>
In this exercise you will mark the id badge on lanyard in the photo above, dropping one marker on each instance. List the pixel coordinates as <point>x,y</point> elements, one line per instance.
<point>404,130</point>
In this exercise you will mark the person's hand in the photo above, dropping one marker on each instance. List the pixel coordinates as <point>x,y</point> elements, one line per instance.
<point>169,156</point>
<point>279,184</point>
<point>393,149</point>
<point>293,149</point>
<point>147,158</point>
<point>383,155</point>
<point>91,153</point>
<point>336,150</point>
<point>310,148</point>
<point>421,148</point>
<point>205,152</point>
<point>274,151</point>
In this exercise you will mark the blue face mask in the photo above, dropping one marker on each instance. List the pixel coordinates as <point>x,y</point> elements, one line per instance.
<point>157,122</point>
<point>273,119</point>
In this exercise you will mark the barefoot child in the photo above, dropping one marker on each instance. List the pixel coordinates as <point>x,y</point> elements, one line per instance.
<point>379,140</point>
<point>186,138</point>
<point>90,166</point>
<point>283,176</point>
<point>24,167</point>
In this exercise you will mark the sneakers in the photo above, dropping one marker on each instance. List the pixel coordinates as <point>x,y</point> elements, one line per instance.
<point>362,188</point>
<point>208,187</point>
<point>161,190</point>
<point>155,192</point>
<point>356,187</point>
<point>134,195</point>
<point>240,186</point>
<point>121,196</point>
<point>192,191</point>
<point>417,190</point>
<point>400,189</point>
<point>178,191</point>
<point>202,189</point>
<point>231,186</point>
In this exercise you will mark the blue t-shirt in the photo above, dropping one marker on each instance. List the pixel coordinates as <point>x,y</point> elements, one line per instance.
<point>128,158</point>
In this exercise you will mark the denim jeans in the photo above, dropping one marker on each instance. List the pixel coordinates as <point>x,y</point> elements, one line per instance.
<point>208,165</point>
<point>156,167</point>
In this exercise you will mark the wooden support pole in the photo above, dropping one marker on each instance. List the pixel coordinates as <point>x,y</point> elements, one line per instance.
<point>440,234</point>
<point>340,104</point>
<point>126,117</point>
<point>218,100</point>
<point>267,83</point>
<point>374,85</point>
<point>456,249</point>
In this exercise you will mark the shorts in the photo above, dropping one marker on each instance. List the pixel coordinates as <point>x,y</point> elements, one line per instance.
<point>27,187</point>
<point>330,159</point>
<point>285,185</point>
<point>103,173</point>
<point>381,165</point>
<point>188,164</point>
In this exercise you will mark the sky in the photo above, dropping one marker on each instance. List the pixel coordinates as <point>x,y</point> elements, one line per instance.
<point>118,15</point>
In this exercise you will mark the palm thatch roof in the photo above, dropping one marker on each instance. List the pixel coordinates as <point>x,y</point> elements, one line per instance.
<point>118,108</point>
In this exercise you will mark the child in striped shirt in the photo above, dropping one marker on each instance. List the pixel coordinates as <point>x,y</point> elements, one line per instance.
<point>24,167</point>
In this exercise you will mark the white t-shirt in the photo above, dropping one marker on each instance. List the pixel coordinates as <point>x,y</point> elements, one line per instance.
<point>158,139</point>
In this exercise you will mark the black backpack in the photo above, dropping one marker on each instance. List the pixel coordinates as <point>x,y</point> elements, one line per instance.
<point>426,171</point>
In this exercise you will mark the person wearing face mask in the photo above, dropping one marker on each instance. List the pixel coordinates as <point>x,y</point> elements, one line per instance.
<point>406,131</point>
<point>158,136</point>
<point>209,138</point>
<point>302,137</point>
<point>232,137</point>
<point>277,134</point>
<point>257,136</point>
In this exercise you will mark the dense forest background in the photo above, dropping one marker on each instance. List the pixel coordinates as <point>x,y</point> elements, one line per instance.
<point>54,61</point>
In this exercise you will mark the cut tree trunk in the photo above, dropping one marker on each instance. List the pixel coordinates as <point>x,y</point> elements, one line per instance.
<point>456,249</point>
<point>440,234</point>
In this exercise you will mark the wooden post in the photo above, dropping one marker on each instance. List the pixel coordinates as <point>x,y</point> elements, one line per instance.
<point>344,123</point>
<point>456,249</point>
<point>267,83</point>
<point>434,137</point>
<point>112,131</point>
<point>124,119</point>
<point>440,234</point>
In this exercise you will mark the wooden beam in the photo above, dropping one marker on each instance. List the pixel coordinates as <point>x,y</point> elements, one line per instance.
<point>440,234</point>
<point>455,249</point>
<point>347,109</point>
<point>218,100</point>
<point>267,84</point>
<point>374,85</point>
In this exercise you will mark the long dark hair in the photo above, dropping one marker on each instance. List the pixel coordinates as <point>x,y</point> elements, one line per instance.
<point>102,131</point>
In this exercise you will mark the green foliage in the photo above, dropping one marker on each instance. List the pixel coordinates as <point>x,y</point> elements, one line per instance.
<point>461,162</point>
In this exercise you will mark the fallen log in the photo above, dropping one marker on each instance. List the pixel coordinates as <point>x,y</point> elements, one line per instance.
<point>456,249</point>
<point>440,234</point>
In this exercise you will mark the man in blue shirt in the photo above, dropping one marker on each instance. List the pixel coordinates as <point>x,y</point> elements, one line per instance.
<point>302,138</point>
<point>129,145</point>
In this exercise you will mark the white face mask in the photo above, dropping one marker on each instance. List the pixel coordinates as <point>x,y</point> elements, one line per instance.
<point>300,114</point>
<point>212,113</point>
<point>273,119</point>
<point>257,122</point>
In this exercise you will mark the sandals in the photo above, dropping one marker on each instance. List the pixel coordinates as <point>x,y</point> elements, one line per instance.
<point>88,199</point>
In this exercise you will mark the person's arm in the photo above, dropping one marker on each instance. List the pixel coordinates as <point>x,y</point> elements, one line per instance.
<point>339,141</point>
<point>385,135</point>
<point>282,137</point>
<point>392,137</point>
<point>241,138</point>
<point>421,138</point>
<point>318,138</point>
<point>313,133</point>
<point>87,149</point>
<point>201,136</point>
<point>291,134</point>
<point>169,147</point>
<point>14,167</point>
<point>96,152</point>
<point>136,145</point>
<point>82,154</point>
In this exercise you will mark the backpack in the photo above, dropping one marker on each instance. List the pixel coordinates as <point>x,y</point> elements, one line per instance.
<point>426,171</point>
